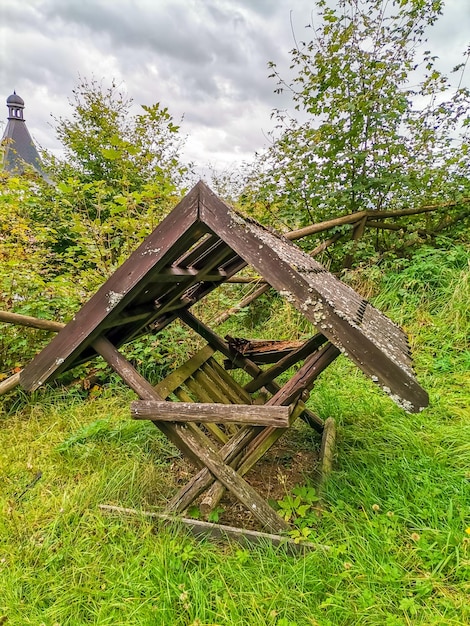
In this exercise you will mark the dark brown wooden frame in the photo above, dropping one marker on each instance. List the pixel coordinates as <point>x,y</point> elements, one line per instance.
<point>200,245</point>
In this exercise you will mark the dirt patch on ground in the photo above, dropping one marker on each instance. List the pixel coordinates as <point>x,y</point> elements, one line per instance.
<point>292,461</point>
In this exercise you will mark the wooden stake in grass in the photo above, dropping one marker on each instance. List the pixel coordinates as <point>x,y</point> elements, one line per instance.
<point>327,452</point>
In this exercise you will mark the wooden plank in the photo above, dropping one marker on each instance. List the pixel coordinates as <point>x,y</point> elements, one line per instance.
<point>305,377</point>
<point>327,450</point>
<point>216,394</point>
<point>255,415</point>
<point>174,233</point>
<point>231,389</point>
<point>238,391</point>
<point>175,274</point>
<point>251,347</point>
<point>212,428</point>
<point>178,376</point>
<point>196,251</point>
<point>199,392</point>
<point>247,458</point>
<point>220,532</point>
<point>311,345</point>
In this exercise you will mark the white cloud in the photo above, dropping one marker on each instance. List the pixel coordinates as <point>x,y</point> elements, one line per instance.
<point>204,59</point>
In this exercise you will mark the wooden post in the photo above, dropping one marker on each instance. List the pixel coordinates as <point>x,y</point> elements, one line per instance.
<point>327,452</point>
<point>9,383</point>
<point>32,322</point>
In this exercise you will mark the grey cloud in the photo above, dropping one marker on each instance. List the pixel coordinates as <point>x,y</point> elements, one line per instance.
<point>206,59</point>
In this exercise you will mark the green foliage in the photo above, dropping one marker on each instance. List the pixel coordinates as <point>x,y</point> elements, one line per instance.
<point>105,141</point>
<point>394,510</point>
<point>120,175</point>
<point>299,504</point>
<point>58,243</point>
<point>373,125</point>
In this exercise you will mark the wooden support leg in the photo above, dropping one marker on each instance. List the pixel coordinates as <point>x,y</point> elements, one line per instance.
<point>235,483</point>
<point>192,443</point>
<point>204,479</point>
<point>143,389</point>
<point>265,437</point>
<point>251,368</point>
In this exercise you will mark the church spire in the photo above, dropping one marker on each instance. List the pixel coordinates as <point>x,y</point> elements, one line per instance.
<point>18,147</point>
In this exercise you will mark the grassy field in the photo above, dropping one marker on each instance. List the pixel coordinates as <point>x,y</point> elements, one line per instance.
<point>397,515</point>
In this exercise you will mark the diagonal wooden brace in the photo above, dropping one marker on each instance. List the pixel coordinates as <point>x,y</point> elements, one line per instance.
<point>192,443</point>
<point>262,438</point>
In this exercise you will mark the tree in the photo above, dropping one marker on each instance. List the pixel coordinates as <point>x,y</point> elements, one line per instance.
<point>377,127</point>
<point>120,174</point>
<point>105,141</point>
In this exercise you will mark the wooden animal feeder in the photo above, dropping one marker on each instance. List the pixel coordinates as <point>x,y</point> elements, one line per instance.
<point>215,422</point>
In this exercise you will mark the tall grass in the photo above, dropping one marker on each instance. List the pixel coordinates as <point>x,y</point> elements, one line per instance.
<point>397,519</point>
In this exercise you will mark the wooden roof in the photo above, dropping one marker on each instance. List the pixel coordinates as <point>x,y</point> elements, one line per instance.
<point>198,246</point>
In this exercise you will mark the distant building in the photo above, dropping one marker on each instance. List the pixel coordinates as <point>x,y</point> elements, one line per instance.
<point>18,149</point>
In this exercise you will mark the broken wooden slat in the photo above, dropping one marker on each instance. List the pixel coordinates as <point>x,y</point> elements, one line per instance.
<point>220,531</point>
<point>182,373</point>
<point>311,345</point>
<point>255,415</point>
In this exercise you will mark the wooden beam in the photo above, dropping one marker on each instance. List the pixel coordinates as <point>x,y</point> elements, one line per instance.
<point>249,367</point>
<point>32,322</point>
<point>222,532</point>
<point>255,415</point>
<point>143,389</point>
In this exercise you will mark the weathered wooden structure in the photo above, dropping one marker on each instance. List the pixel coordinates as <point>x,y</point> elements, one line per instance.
<point>218,424</point>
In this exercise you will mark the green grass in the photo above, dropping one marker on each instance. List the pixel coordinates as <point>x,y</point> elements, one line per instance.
<point>397,520</point>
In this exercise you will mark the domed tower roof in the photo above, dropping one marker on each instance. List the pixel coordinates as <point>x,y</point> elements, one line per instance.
<point>15,99</point>
<point>15,106</point>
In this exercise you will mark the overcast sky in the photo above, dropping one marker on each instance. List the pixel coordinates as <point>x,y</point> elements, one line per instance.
<point>204,59</point>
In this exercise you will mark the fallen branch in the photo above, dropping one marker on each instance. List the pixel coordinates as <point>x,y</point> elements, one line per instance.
<point>9,383</point>
<point>353,218</point>
<point>32,322</point>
